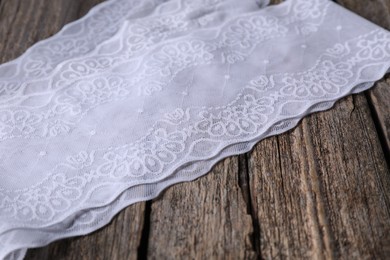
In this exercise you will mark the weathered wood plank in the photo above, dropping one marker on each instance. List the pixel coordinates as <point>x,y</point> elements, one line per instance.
<point>379,97</point>
<point>316,239</point>
<point>358,200</point>
<point>377,11</point>
<point>322,192</point>
<point>288,202</point>
<point>120,239</point>
<point>204,219</point>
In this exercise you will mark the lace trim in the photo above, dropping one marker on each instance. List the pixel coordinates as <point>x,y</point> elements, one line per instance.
<point>93,218</point>
<point>76,67</point>
<point>169,145</point>
<point>75,39</point>
<point>232,37</point>
<point>64,109</point>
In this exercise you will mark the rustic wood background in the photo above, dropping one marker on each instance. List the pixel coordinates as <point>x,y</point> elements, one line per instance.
<point>320,191</point>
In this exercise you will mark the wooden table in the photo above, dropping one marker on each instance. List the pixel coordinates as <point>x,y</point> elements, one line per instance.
<point>319,191</point>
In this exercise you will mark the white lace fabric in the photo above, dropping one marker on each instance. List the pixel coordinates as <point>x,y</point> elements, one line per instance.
<point>140,95</point>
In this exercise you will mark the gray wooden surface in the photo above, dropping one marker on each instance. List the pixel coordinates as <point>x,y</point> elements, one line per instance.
<point>319,191</point>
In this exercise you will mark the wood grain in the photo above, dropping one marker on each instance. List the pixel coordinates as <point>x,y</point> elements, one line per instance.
<point>315,193</point>
<point>320,191</point>
<point>376,11</point>
<point>204,219</point>
<point>379,98</point>
<point>121,239</point>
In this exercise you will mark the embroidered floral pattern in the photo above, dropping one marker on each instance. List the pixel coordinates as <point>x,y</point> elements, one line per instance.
<point>172,143</point>
<point>70,106</point>
<point>43,57</point>
<point>166,63</point>
<point>105,22</point>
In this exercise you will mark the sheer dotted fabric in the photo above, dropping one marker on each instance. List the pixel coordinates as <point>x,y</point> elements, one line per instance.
<point>140,95</point>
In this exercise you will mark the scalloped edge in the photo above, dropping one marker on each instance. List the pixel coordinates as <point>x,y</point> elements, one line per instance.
<point>161,185</point>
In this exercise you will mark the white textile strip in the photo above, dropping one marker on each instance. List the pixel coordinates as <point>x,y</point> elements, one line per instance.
<point>140,95</point>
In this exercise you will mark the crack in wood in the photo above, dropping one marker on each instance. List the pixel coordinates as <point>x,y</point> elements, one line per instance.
<point>243,182</point>
<point>142,251</point>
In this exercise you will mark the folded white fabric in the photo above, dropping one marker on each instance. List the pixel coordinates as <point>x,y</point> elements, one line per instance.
<point>139,95</point>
